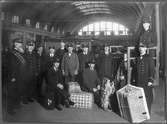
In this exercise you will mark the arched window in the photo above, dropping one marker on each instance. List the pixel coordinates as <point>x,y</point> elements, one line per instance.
<point>103,28</point>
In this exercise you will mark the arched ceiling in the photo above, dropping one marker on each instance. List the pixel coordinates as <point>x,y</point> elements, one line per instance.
<point>69,14</point>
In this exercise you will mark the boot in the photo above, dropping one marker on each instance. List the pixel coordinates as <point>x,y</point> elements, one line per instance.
<point>59,107</point>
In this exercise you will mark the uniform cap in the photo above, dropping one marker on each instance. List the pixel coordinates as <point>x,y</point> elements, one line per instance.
<point>70,45</point>
<point>92,61</point>
<point>141,44</point>
<point>57,60</point>
<point>17,40</point>
<point>30,43</point>
<point>51,47</point>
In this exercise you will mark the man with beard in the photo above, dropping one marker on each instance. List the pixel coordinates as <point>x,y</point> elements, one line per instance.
<point>16,77</point>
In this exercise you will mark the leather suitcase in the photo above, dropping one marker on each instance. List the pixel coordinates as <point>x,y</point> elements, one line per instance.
<point>132,104</point>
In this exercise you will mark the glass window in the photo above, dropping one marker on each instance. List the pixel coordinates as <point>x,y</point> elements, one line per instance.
<point>109,25</point>
<point>91,27</point>
<point>85,28</point>
<point>109,28</point>
<point>102,26</point>
<point>97,27</point>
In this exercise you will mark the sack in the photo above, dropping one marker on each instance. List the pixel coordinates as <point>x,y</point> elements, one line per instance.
<point>132,104</point>
<point>74,87</point>
<point>107,89</point>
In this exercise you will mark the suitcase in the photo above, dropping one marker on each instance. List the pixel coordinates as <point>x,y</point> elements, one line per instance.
<point>132,104</point>
<point>74,87</point>
<point>82,100</point>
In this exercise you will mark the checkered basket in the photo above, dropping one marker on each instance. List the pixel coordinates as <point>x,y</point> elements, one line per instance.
<point>82,100</point>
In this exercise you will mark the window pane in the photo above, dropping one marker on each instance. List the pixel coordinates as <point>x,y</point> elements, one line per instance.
<point>102,26</point>
<point>109,25</point>
<point>85,28</point>
<point>115,26</point>
<point>121,27</point>
<point>97,26</point>
<point>91,27</point>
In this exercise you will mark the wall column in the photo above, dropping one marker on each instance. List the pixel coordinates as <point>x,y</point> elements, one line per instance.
<point>157,23</point>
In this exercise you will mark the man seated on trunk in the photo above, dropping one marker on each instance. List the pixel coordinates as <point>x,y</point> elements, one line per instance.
<point>55,85</point>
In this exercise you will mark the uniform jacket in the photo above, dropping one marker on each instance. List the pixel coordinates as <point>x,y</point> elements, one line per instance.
<point>107,66</point>
<point>70,64</point>
<point>144,73</point>
<point>17,69</point>
<point>31,63</point>
<point>40,63</point>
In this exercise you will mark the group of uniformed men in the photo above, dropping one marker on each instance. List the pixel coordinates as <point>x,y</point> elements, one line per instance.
<point>28,68</point>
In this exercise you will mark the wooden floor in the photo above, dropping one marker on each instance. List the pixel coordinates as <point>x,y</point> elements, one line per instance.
<point>34,112</point>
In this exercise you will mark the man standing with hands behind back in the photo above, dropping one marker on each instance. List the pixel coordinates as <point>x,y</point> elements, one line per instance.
<point>70,65</point>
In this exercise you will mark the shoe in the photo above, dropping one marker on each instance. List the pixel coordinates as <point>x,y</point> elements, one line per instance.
<point>71,102</point>
<point>59,107</point>
<point>25,101</point>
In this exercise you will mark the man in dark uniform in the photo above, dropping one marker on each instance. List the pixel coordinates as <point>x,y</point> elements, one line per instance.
<point>16,77</point>
<point>144,75</point>
<point>30,56</point>
<point>50,57</point>
<point>106,65</point>
<point>70,65</point>
<point>40,68</point>
<point>147,36</point>
<point>83,62</point>
<point>56,85</point>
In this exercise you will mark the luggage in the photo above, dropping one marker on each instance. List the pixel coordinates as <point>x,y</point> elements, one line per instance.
<point>82,100</point>
<point>74,87</point>
<point>107,89</point>
<point>132,104</point>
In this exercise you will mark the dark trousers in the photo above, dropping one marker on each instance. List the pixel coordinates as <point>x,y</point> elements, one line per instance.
<point>30,89</point>
<point>40,79</point>
<point>60,96</point>
<point>13,96</point>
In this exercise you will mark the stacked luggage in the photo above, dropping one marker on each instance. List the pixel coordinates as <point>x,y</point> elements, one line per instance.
<point>80,98</point>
